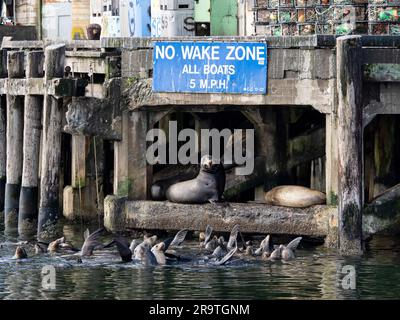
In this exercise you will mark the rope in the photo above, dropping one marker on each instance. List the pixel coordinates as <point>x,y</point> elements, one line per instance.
<point>79,188</point>
<point>97,181</point>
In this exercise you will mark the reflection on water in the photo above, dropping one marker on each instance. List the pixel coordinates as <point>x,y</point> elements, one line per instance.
<point>315,274</point>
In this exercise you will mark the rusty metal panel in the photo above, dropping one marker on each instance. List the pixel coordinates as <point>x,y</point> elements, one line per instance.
<point>224,21</point>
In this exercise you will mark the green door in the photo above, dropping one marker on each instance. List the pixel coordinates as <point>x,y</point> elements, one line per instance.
<point>202,10</point>
<point>224,17</point>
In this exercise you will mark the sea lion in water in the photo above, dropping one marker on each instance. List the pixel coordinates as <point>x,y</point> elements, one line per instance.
<point>20,253</point>
<point>208,186</point>
<point>284,252</point>
<point>266,247</point>
<point>294,196</point>
<point>146,252</point>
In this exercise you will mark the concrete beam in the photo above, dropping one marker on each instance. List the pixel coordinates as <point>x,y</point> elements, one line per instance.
<point>306,92</point>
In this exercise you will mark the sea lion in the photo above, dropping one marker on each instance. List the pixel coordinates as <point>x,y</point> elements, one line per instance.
<point>208,186</point>
<point>143,254</point>
<point>20,253</point>
<point>54,245</point>
<point>294,196</point>
<point>266,247</point>
<point>287,252</point>
<point>150,239</point>
<point>146,252</point>
<point>284,252</point>
<point>206,236</point>
<point>212,244</point>
<point>159,188</point>
<point>91,242</point>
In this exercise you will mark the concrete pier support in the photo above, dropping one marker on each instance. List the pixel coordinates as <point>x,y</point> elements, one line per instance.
<point>51,153</point>
<point>350,141</point>
<point>14,132</point>
<point>28,201</point>
<point>133,175</point>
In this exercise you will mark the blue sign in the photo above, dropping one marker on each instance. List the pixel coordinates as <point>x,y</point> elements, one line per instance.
<point>210,67</point>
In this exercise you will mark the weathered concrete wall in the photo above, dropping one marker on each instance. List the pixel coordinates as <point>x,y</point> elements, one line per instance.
<point>296,76</point>
<point>18,32</point>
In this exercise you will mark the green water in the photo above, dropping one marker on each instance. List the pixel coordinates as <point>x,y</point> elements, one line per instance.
<point>314,274</point>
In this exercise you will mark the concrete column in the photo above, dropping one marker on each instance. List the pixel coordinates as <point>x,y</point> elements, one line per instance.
<point>132,174</point>
<point>14,132</point>
<point>28,201</point>
<point>350,141</point>
<point>51,153</point>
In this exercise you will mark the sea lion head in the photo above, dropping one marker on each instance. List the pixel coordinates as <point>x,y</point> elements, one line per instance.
<point>140,252</point>
<point>209,164</point>
<point>159,247</point>
<point>20,253</point>
<point>150,239</point>
<point>202,236</point>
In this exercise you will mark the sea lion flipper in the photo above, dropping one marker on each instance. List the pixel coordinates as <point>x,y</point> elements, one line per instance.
<point>233,236</point>
<point>179,238</point>
<point>292,245</point>
<point>208,233</point>
<point>227,257</point>
<point>86,234</point>
<point>123,249</point>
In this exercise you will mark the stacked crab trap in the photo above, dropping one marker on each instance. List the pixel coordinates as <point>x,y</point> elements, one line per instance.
<point>306,17</point>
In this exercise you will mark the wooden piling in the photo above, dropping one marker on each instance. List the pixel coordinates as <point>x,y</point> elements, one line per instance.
<point>2,151</point>
<point>51,152</point>
<point>349,87</point>
<point>14,132</point>
<point>3,111</point>
<point>28,201</point>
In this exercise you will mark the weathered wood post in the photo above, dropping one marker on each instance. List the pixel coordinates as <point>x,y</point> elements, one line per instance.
<point>2,152</point>
<point>3,110</point>
<point>51,151</point>
<point>14,131</point>
<point>349,86</point>
<point>28,201</point>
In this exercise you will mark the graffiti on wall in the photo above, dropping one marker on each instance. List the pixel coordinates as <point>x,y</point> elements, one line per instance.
<point>166,23</point>
<point>139,17</point>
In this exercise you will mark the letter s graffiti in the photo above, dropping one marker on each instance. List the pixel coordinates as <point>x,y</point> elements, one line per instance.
<point>189,24</point>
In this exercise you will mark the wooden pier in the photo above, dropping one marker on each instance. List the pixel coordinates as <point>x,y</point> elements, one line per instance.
<point>76,133</point>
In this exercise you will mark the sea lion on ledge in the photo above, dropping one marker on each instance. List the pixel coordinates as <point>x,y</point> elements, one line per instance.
<point>294,196</point>
<point>208,186</point>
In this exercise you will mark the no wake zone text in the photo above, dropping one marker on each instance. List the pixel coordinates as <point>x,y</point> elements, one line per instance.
<point>189,52</point>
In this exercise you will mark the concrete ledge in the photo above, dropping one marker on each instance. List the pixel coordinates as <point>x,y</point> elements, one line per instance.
<point>316,221</point>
